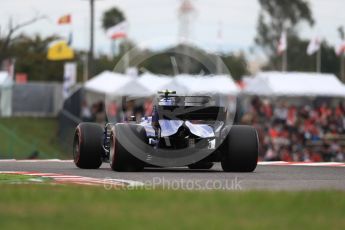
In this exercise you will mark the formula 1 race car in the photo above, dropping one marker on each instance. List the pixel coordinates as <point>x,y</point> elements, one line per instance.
<point>183,131</point>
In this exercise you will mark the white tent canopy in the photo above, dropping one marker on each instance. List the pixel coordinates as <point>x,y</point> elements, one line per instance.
<point>154,82</point>
<point>294,84</point>
<point>115,84</point>
<point>194,85</point>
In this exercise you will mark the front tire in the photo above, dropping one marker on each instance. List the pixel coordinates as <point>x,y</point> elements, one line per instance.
<point>240,149</point>
<point>121,159</point>
<point>87,146</point>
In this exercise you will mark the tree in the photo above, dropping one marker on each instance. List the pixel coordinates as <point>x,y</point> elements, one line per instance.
<point>9,36</point>
<point>31,58</point>
<point>280,15</point>
<point>330,61</point>
<point>30,53</point>
<point>299,60</point>
<point>237,65</point>
<point>160,63</point>
<point>112,17</point>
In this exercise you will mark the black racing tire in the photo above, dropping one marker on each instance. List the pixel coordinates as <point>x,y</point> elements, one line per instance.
<point>201,165</point>
<point>121,159</point>
<point>239,151</point>
<point>87,146</point>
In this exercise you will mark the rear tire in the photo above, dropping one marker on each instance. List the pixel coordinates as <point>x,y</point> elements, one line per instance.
<point>240,149</point>
<point>87,146</point>
<point>120,158</point>
<point>201,165</point>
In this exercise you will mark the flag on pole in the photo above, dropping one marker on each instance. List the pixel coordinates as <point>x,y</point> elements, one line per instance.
<point>282,45</point>
<point>314,46</point>
<point>340,49</point>
<point>70,38</point>
<point>65,19</point>
<point>118,31</point>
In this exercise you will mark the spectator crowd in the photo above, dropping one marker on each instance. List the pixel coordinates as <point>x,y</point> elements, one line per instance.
<point>287,132</point>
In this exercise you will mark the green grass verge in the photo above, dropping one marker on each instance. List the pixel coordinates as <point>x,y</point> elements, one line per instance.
<point>60,207</point>
<point>21,136</point>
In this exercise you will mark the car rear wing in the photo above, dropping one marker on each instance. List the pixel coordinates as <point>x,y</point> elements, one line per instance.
<point>207,113</point>
<point>188,100</point>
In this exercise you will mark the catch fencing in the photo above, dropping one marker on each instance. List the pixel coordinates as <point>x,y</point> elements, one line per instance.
<point>37,99</point>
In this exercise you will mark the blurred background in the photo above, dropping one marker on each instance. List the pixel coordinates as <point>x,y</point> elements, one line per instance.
<point>63,62</point>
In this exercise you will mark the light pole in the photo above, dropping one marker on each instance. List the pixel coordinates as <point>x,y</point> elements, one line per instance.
<point>92,19</point>
<point>90,61</point>
<point>342,67</point>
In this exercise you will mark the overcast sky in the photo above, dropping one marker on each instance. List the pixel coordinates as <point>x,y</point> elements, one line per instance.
<point>154,22</point>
